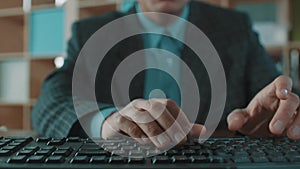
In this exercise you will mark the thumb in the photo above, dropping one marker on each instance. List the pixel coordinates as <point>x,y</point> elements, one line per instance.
<point>197,131</point>
<point>237,119</point>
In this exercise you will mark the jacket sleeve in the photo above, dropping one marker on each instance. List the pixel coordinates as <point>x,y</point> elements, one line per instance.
<point>54,114</point>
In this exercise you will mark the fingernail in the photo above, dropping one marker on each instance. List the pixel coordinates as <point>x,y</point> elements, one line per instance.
<point>278,125</point>
<point>285,92</point>
<point>296,131</point>
<point>178,137</point>
<point>144,138</point>
<point>161,139</point>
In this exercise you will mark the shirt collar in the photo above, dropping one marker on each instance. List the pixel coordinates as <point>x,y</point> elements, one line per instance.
<point>176,29</point>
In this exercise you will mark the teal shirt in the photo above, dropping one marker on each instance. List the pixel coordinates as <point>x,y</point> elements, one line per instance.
<point>154,79</point>
<point>176,29</point>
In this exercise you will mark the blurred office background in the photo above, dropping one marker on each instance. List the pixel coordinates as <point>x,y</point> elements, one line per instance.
<point>34,35</point>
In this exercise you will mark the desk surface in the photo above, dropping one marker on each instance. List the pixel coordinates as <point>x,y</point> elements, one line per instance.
<point>18,133</point>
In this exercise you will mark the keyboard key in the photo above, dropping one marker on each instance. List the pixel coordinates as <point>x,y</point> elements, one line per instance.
<point>260,159</point>
<point>136,153</point>
<point>91,147</point>
<point>15,144</point>
<point>26,152</point>
<point>32,148</point>
<point>80,159</point>
<point>222,153</point>
<point>64,153</point>
<point>119,153</point>
<point>188,152</point>
<point>133,160</point>
<point>278,159</point>
<point>92,153</point>
<point>161,160</point>
<point>241,160</point>
<point>44,152</point>
<point>257,153</point>
<point>200,159</point>
<point>218,160</point>
<point>240,153</point>
<point>9,148</point>
<point>181,159</point>
<point>74,139</point>
<point>117,160</point>
<point>292,153</point>
<point>68,148</point>
<point>51,148</point>
<point>17,159</point>
<point>294,158</point>
<point>56,142</point>
<point>153,152</point>
<point>55,159</point>
<point>24,141</point>
<point>273,153</point>
<point>5,153</point>
<point>36,159</point>
<point>205,153</point>
<point>43,140</point>
<point>99,159</point>
<point>111,148</point>
<point>171,153</point>
<point>128,148</point>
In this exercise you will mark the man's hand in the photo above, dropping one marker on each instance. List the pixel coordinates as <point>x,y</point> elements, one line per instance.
<point>273,111</point>
<point>159,121</point>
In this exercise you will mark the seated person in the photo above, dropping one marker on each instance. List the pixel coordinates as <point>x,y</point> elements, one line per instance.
<point>259,101</point>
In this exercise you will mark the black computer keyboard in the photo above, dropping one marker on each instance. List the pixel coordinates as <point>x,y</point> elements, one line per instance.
<point>85,153</point>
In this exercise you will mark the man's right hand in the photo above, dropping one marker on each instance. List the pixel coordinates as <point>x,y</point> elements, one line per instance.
<point>159,121</point>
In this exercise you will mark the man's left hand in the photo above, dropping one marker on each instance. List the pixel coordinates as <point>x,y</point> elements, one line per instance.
<point>273,111</point>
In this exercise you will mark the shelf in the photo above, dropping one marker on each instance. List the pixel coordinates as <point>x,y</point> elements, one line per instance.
<point>89,10</point>
<point>42,2</point>
<point>93,3</point>
<point>10,4</point>
<point>15,8</point>
<point>9,56</point>
<point>11,12</point>
<point>8,103</point>
<point>43,57</point>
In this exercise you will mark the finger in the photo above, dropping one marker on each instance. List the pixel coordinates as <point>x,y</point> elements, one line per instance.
<point>237,119</point>
<point>157,108</point>
<point>132,130</point>
<point>284,114</point>
<point>179,115</point>
<point>283,86</point>
<point>155,133</point>
<point>151,129</point>
<point>294,130</point>
<point>141,104</point>
<point>168,123</point>
<point>197,131</point>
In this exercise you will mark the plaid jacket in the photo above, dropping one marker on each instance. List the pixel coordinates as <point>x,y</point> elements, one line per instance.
<point>247,66</point>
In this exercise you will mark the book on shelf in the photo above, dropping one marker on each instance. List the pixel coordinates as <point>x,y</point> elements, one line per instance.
<point>47,32</point>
